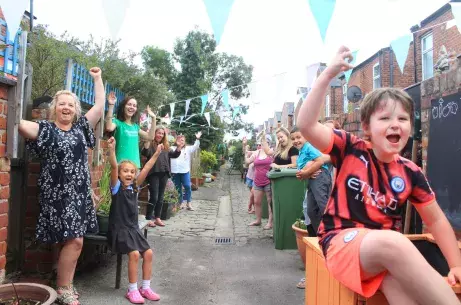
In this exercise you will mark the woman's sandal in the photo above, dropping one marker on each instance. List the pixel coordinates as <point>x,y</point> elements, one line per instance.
<point>66,296</point>
<point>74,290</point>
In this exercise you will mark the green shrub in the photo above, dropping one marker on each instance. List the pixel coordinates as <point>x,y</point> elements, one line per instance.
<point>103,206</point>
<point>207,160</point>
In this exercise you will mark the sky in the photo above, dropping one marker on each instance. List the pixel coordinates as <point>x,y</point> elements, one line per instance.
<point>279,38</point>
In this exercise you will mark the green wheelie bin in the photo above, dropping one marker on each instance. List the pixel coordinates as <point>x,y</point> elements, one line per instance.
<point>287,204</point>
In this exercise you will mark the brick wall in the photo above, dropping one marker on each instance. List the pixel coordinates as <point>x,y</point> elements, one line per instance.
<point>4,178</point>
<point>38,256</point>
<point>450,38</point>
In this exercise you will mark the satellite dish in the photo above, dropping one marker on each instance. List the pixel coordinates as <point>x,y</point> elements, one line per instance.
<point>354,94</point>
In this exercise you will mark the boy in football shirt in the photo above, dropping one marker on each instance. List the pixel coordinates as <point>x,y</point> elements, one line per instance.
<point>359,232</point>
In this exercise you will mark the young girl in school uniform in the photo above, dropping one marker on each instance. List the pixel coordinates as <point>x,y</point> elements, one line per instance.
<point>124,235</point>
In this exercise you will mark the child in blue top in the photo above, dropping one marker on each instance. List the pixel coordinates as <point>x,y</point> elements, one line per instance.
<point>311,166</point>
<point>124,236</point>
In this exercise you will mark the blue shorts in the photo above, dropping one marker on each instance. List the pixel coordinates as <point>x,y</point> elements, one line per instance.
<point>249,182</point>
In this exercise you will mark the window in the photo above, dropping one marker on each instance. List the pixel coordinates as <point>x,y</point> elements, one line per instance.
<point>345,101</point>
<point>327,106</point>
<point>376,76</point>
<point>427,51</point>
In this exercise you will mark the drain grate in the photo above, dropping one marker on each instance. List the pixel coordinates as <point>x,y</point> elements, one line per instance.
<point>223,241</point>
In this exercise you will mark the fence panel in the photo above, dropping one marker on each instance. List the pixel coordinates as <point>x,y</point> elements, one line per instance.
<point>79,81</point>
<point>9,56</point>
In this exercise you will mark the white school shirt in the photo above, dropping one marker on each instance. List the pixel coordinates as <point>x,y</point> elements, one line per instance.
<point>181,164</point>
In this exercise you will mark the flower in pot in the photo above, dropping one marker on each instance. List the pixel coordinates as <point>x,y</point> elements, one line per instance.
<point>207,160</point>
<point>170,200</point>
<point>104,201</point>
<point>300,229</point>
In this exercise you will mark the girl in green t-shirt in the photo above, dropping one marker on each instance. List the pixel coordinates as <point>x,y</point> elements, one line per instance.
<point>126,128</point>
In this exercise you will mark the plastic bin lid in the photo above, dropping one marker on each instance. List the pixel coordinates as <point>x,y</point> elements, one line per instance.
<point>284,172</point>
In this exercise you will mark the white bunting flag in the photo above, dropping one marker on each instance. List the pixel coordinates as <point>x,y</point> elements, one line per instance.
<point>115,11</point>
<point>207,117</point>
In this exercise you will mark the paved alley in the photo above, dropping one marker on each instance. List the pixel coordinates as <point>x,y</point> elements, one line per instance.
<point>191,269</point>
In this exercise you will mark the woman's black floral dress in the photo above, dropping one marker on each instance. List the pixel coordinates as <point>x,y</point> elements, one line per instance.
<point>66,207</point>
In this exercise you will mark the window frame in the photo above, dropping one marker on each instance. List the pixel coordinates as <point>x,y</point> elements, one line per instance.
<point>327,106</point>
<point>378,76</point>
<point>345,100</point>
<point>424,52</point>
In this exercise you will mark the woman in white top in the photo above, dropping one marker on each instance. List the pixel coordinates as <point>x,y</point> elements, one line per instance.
<point>180,168</point>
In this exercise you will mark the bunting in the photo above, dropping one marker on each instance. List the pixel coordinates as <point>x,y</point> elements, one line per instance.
<point>172,109</point>
<point>187,106</point>
<point>115,12</point>
<point>348,73</point>
<point>204,99</point>
<point>235,112</point>
<point>401,46</point>
<point>322,11</point>
<point>225,98</point>
<point>218,12</point>
<point>207,117</point>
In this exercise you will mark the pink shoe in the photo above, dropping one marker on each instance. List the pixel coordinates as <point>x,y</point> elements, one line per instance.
<point>134,297</point>
<point>149,294</point>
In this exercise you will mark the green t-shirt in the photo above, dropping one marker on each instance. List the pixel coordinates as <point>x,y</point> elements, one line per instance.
<point>127,142</point>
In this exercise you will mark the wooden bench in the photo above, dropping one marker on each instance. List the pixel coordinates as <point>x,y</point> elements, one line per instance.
<point>95,239</point>
<point>323,289</point>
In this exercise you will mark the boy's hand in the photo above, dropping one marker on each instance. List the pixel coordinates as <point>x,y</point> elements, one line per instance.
<point>198,135</point>
<point>273,165</point>
<point>244,141</point>
<point>158,150</point>
<point>111,143</point>
<point>111,98</point>
<point>340,63</point>
<point>95,72</point>
<point>301,175</point>
<point>454,275</point>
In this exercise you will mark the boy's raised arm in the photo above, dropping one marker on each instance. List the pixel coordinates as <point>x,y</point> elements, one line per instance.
<point>113,162</point>
<point>316,133</point>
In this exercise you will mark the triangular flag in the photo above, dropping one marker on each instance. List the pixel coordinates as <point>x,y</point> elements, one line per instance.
<point>187,106</point>
<point>400,46</point>
<point>207,117</point>
<point>181,118</point>
<point>456,10</point>
<point>13,12</point>
<point>218,12</point>
<point>172,109</point>
<point>204,99</point>
<point>322,11</point>
<point>115,14</point>
<point>236,111</point>
<point>348,73</point>
<point>225,98</point>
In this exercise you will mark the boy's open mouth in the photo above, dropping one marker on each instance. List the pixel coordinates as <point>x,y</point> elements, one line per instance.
<point>394,138</point>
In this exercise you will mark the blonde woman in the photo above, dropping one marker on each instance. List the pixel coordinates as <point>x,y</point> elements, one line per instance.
<point>160,173</point>
<point>66,207</point>
<point>285,154</point>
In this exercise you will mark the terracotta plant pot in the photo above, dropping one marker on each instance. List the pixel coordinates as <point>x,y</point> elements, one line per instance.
<point>214,174</point>
<point>29,291</point>
<point>201,181</point>
<point>300,234</point>
<point>195,181</point>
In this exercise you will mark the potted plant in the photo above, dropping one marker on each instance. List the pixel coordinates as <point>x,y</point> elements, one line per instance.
<point>207,160</point>
<point>27,293</point>
<point>170,201</point>
<point>300,229</point>
<point>105,199</point>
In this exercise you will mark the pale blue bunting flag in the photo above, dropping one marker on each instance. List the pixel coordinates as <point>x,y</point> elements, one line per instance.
<point>322,11</point>
<point>204,102</point>
<point>225,98</point>
<point>348,73</point>
<point>218,12</point>
<point>400,47</point>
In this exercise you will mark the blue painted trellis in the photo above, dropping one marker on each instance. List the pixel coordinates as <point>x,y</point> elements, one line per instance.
<point>11,53</point>
<point>81,83</point>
